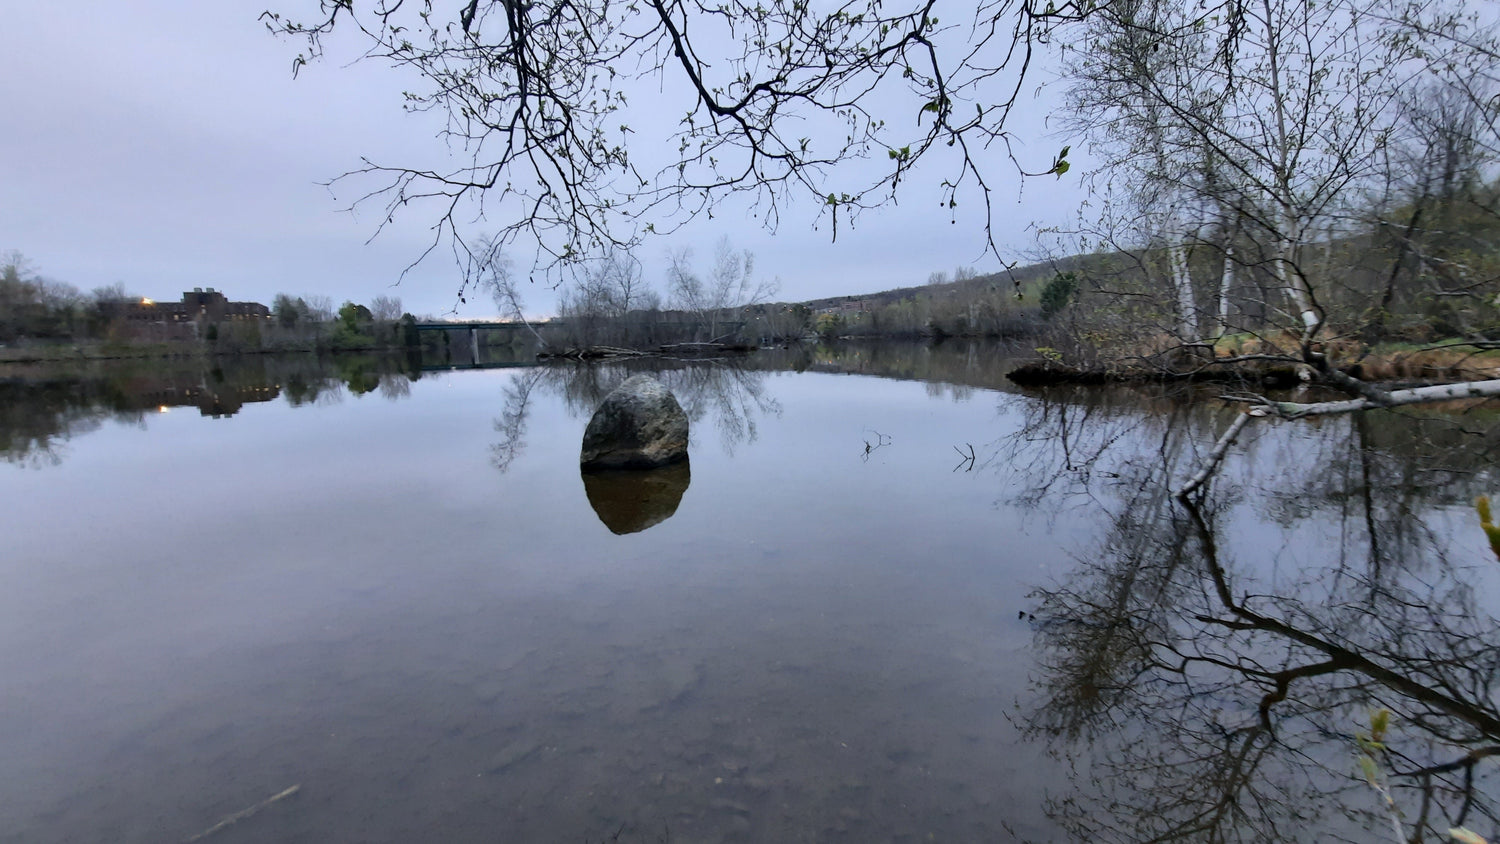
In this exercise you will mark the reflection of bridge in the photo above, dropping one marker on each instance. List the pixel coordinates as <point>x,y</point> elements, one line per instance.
<point>476,326</point>
<point>444,367</point>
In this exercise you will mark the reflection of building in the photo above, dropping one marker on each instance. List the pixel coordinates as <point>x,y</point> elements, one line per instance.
<point>184,320</point>
<point>218,402</point>
<point>206,389</point>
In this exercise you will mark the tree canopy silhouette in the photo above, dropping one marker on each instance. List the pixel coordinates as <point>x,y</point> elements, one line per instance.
<point>587,124</point>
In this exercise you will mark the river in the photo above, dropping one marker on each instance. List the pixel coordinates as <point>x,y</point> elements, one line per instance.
<point>891,598</point>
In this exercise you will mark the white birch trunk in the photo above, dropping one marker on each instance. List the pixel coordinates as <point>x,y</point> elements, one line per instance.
<point>1297,410</point>
<point>1216,456</point>
<point>1182,285</point>
<point>1397,398</point>
<point>1296,287</point>
<point>1226,283</point>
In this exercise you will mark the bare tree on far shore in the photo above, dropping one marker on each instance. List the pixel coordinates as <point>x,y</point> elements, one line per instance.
<point>730,288</point>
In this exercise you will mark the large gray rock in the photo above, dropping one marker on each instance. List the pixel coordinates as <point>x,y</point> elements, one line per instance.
<point>638,426</point>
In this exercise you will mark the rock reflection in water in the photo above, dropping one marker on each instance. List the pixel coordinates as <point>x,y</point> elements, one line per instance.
<point>629,501</point>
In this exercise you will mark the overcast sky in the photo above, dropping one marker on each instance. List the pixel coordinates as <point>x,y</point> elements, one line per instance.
<point>166,146</point>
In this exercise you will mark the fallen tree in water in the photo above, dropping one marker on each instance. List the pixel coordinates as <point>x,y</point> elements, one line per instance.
<point>591,353</point>
<point>1045,373</point>
<point>1343,366</point>
<point>603,352</point>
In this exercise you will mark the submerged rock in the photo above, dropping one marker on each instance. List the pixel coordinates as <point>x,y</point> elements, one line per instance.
<point>638,426</point>
<point>631,501</point>
<point>514,754</point>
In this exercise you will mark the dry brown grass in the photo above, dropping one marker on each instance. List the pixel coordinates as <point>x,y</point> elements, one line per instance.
<point>1392,363</point>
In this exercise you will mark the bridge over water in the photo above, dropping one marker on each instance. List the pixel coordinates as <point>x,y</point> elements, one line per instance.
<point>476,326</point>
<point>683,328</point>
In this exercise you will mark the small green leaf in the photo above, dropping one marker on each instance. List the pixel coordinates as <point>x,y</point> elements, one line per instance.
<point>1493,532</point>
<point>1061,168</point>
<point>1367,767</point>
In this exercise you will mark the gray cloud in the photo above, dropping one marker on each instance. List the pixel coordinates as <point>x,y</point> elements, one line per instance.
<point>170,148</point>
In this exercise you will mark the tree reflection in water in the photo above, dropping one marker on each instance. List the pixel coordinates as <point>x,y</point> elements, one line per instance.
<point>43,406</point>
<point>1208,665</point>
<point>37,422</point>
<point>511,423</point>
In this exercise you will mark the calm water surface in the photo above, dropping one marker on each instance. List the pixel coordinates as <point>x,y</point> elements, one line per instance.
<point>391,589</point>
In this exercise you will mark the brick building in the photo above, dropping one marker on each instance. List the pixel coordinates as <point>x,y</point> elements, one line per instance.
<point>184,320</point>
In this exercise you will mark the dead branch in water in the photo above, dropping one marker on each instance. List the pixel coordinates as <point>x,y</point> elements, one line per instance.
<point>243,814</point>
<point>1297,410</point>
<point>598,352</point>
<point>965,459</point>
<point>594,353</point>
<point>711,346</point>
<point>881,440</point>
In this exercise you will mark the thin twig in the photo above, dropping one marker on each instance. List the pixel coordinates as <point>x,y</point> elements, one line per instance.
<point>966,458</point>
<point>243,814</point>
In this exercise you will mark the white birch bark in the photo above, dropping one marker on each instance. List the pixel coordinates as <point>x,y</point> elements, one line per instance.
<point>1287,153</point>
<point>1226,283</point>
<point>1297,410</point>
<point>1216,456</point>
<point>1396,398</point>
<point>1182,285</point>
<point>1296,287</point>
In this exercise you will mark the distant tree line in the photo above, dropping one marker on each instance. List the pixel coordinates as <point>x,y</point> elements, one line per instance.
<point>32,305</point>
<point>609,302</point>
<point>36,308</point>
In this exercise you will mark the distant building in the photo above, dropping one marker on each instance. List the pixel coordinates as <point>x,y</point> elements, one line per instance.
<point>184,320</point>
<point>211,306</point>
<point>848,306</point>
